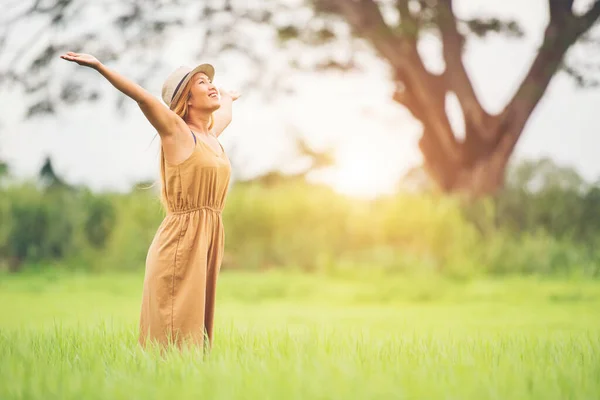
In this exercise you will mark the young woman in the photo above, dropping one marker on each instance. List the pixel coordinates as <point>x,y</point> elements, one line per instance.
<point>184,258</point>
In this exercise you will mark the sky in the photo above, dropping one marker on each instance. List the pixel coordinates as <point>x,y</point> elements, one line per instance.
<point>375,140</point>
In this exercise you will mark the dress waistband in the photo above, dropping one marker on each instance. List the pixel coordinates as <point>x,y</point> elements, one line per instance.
<point>189,210</point>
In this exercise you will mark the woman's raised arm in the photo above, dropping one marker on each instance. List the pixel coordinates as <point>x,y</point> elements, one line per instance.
<point>165,121</point>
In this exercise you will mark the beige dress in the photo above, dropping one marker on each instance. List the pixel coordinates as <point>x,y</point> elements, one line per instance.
<point>184,258</point>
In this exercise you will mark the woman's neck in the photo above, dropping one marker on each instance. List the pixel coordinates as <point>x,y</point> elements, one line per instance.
<point>198,122</point>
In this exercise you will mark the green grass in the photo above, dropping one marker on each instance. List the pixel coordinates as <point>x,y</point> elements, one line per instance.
<point>292,336</point>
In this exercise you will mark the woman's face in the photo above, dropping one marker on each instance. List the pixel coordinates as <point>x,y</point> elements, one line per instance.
<point>203,94</point>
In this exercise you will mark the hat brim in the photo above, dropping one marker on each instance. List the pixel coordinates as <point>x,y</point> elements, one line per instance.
<point>207,69</point>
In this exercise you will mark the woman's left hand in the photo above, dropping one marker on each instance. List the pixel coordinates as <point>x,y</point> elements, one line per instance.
<point>229,93</point>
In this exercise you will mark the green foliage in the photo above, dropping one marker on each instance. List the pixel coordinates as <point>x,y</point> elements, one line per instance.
<point>138,216</point>
<point>40,225</point>
<point>545,222</point>
<point>482,27</point>
<point>100,221</point>
<point>6,222</point>
<point>4,170</point>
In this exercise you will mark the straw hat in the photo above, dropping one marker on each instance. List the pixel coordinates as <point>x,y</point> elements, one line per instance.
<point>176,81</point>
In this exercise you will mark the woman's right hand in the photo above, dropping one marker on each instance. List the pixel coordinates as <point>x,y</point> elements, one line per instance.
<point>86,60</point>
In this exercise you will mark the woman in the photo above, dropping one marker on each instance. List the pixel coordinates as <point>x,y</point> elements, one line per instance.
<point>184,258</point>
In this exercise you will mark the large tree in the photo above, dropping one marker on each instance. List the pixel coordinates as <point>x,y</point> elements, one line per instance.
<point>473,161</point>
<point>475,164</point>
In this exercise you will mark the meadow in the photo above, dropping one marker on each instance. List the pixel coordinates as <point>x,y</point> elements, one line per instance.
<point>295,335</point>
<point>321,296</point>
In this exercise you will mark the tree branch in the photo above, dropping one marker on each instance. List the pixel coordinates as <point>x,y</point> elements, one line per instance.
<point>586,21</point>
<point>410,26</point>
<point>481,27</point>
<point>455,74</point>
<point>560,9</point>
<point>402,96</point>
<point>405,14</point>
<point>365,17</point>
<point>561,33</point>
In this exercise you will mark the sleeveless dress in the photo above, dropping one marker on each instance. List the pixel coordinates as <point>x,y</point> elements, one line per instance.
<point>184,258</point>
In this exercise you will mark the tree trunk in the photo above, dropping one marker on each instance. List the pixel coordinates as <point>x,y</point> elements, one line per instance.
<point>478,172</point>
<point>484,177</point>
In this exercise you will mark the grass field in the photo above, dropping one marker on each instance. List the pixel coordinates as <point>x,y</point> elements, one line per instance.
<point>293,336</point>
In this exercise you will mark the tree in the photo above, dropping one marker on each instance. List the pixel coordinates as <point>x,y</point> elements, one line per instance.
<point>48,177</point>
<point>542,194</point>
<point>100,221</point>
<point>475,165</point>
<point>4,170</point>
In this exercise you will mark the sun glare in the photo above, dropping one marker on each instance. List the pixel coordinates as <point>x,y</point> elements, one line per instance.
<point>363,172</point>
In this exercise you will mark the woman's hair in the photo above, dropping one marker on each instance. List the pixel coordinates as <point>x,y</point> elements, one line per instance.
<point>180,108</point>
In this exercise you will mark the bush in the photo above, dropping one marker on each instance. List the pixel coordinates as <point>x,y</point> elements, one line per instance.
<point>296,226</point>
<point>40,226</point>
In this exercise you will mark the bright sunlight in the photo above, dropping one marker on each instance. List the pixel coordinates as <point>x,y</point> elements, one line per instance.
<point>363,170</point>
